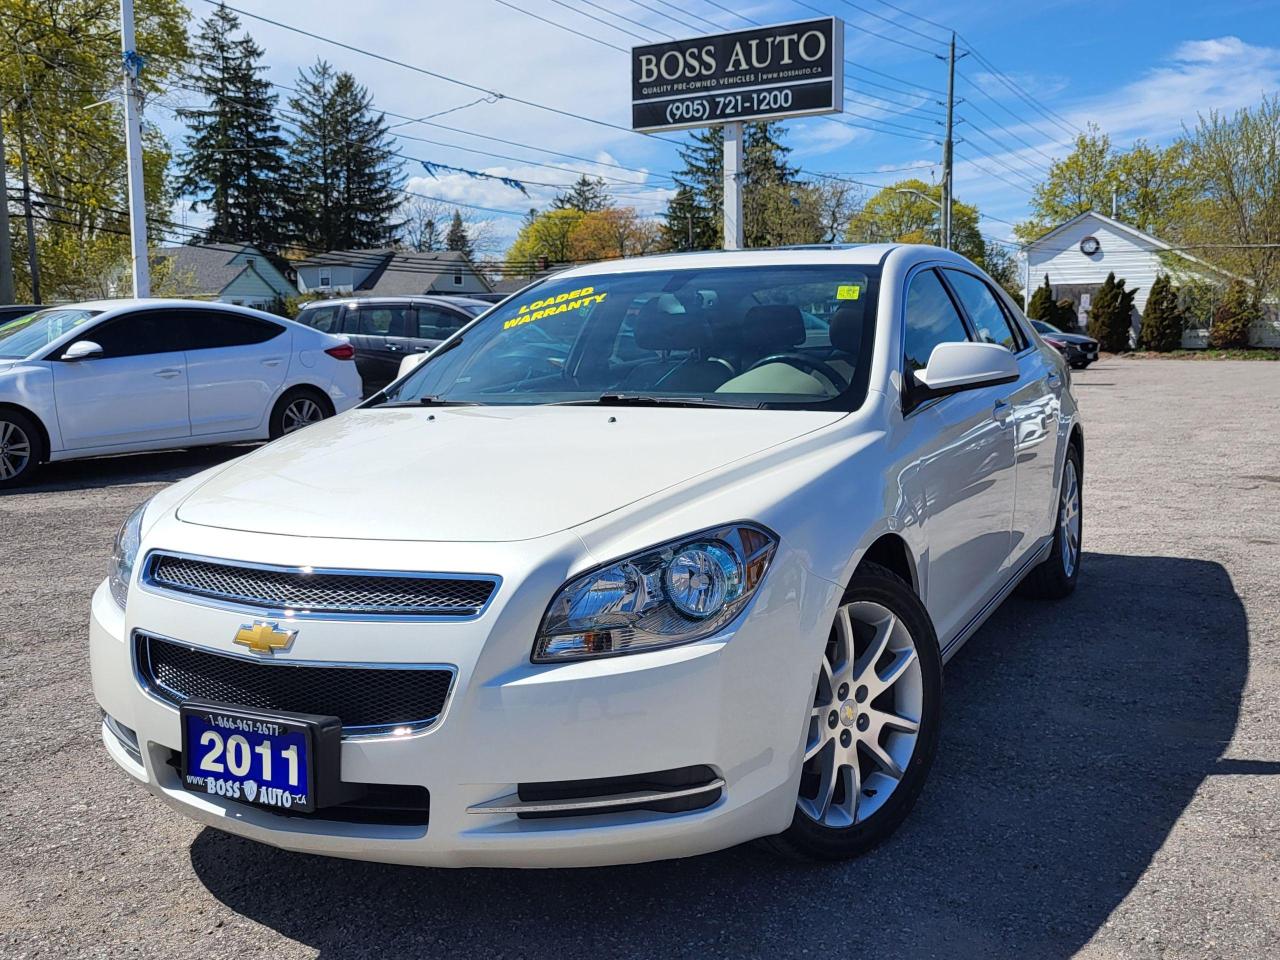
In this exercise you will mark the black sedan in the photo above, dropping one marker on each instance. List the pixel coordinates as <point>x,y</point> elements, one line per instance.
<point>1079,350</point>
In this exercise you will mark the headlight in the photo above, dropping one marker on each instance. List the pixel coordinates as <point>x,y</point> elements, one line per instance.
<point>674,593</point>
<point>124,553</point>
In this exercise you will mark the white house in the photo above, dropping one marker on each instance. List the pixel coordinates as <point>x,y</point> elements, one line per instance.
<point>228,272</point>
<point>389,272</point>
<point>1077,256</point>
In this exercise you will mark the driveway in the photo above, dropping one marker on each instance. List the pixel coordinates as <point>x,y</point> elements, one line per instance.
<point>1108,782</point>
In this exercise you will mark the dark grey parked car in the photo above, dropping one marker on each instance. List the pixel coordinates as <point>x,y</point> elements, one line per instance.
<point>384,329</point>
<point>12,311</point>
<point>1079,350</point>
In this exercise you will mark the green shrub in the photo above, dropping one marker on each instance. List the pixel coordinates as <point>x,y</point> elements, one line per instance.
<point>1109,316</point>
<point>1238,311</point>
<point>1162,321</point>
<point>1064,316</point>
<point>1041,305</point>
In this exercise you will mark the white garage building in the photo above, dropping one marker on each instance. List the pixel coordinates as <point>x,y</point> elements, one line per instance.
<point>1077,256</point>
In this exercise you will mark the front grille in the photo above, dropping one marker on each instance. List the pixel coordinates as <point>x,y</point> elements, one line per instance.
<point>302,591</point>
<point>368,700</point>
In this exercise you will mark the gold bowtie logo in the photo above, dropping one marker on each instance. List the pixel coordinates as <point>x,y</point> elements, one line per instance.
<point>262,637</point>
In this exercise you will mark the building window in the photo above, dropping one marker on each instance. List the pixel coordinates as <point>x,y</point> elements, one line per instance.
<point>326,278</point>
<point>457,279</point>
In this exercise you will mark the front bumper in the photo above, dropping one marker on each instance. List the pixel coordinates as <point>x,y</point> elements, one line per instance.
<point>736,703</point>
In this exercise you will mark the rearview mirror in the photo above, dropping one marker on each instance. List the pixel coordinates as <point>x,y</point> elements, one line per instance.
<point>82,350</point>
<point>954,367</point>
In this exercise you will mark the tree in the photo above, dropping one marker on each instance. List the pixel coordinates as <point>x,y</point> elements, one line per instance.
<point>611,234</point>
<point>587,194</point>
<point>698,205</point>
<point>1148,184</point>
<point>678,226</point>
<point>1110,315</point>
<point>61,61</point>
<point>1041,305</point>
<point>234,162</point>
<point>1234,164</point>
<point>544,238</point>
<point>457,238</point>
<point>344,175</point>
<point>422,223</point>
<point>908,212</point>
<point>1235,315</point>
<point>1162,320</point>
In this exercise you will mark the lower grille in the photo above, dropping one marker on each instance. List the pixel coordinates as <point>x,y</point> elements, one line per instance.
<point>369,700</point>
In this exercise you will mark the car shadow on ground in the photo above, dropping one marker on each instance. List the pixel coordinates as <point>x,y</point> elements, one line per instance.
<point>1075,735</point>
<point>101,472</point>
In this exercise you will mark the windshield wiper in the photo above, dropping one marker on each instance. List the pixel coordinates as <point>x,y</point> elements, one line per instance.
<point>427,401</point>
<point>644,400</point>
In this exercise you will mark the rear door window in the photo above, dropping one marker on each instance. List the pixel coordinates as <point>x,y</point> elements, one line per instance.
<point>210,329</point>
<point>378,321</point>
<point>324,319</point>
<point>984,309</point>
<point>436,323</point>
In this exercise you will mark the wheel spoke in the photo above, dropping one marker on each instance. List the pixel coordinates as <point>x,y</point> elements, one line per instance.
<point>826,789</point>
<point>883,759</point>
<point>896,669</point>
<point>882,720</point>
<point>853,789</point>
<point>843,660</point>
<point>879,643</point>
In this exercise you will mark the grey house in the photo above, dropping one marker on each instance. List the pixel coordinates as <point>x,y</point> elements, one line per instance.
<point>389,273</point>
<point>227,272</point>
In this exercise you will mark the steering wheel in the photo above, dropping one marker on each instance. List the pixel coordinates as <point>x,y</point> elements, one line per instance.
<point>808,365</point>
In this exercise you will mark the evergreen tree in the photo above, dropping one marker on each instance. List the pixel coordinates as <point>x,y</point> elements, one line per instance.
<point>344,175</point>
<point>700,192</point>
<point>1041,307</point>
<point>1110,315</point>
<point>457,238</point>
<point>234,164</point>
<point>588,194</point>
<point>1162,320</point>
<point>678,226</point>
<point>1235,315</point>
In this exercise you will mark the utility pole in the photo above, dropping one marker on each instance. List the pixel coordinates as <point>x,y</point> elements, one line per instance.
<point>7,294</point>
<point>133,147</point>
<point>33,262</point>
<point>947,192</point>
<point>733,147</point>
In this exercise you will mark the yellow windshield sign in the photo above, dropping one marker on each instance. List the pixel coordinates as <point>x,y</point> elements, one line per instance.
<point>848,291</point>
<point>572,300</point>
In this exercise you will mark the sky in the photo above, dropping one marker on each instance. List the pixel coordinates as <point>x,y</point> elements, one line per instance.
<point>1031,75</point>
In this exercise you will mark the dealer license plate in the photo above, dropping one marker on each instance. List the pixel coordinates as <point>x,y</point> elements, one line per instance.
<point>250,757</point>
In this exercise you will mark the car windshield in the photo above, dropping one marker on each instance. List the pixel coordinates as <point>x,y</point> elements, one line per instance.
<point>785,336</point>
<point>1043,327</point>
<point>475,309</point>
<point>25,335</point>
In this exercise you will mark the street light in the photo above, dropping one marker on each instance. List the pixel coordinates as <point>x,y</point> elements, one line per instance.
<point>936,203</point>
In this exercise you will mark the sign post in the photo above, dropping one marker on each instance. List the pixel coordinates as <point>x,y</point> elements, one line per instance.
<point>765,73</point>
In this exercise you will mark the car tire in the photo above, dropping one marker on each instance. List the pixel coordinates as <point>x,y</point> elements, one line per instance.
<point>850,799</point>
<point>298,408</point>
<point>21,447</point>
<point>1081,364</point>
<point>1056,576</point>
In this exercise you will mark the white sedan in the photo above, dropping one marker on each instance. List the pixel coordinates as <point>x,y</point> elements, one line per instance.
<point>120,376</point>
<point>657,557</point>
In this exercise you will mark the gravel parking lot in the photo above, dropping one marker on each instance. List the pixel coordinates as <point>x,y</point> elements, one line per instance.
<point>1108,783</point>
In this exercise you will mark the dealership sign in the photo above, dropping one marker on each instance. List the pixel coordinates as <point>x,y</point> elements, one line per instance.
<point>765,73</point>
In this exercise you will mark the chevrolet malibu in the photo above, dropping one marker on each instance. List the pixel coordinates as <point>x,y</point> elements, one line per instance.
<point>656,557</point>
<point>122,376</point>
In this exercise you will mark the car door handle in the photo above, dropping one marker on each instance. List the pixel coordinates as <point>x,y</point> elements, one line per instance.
<point>394,347</point>
<point>168,373</point>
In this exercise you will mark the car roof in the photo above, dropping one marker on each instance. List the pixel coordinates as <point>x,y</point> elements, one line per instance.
<point>861,254</point>
<point>407,298</point>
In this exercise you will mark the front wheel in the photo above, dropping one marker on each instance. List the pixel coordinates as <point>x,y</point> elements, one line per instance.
<point>873,724</point>
<point>20,448</point>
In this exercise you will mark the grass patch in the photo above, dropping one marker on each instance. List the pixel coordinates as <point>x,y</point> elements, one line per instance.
<point>1251,353</point>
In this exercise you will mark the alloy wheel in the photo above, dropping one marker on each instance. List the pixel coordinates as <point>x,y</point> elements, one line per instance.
<point>15,450</point>
<point>300,413</point>
<point>1069,519</point>
<point>866,716</point>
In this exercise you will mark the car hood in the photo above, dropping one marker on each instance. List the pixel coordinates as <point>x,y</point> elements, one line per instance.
<point>478,473</point>
<point>1071,338</point>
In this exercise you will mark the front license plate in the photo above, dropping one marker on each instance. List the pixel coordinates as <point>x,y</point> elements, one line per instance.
<point>259,758</point>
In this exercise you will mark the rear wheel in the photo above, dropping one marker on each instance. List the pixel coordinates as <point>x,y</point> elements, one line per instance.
<point>21,447</point>
<point>873,724</point>
<point>298,408</point>
<point>1056,576</point>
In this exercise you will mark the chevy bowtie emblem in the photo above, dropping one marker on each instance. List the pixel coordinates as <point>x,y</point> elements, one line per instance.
<point>263,637</point>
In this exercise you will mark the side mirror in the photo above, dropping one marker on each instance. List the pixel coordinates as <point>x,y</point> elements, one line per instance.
<point>954,367</point>
<point>409,363</point>
<point>82,350</point>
